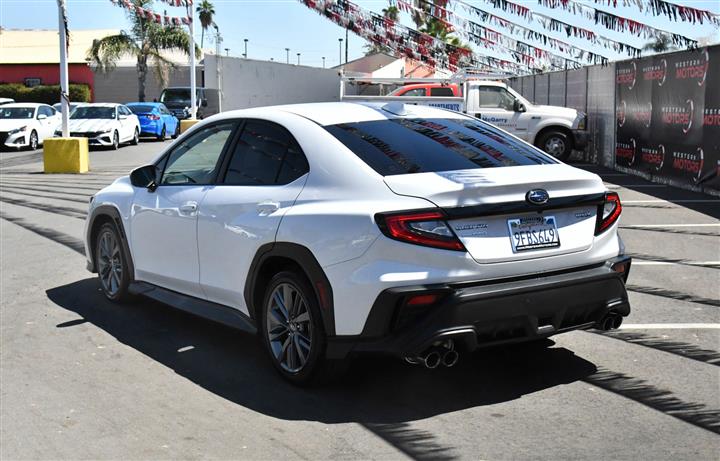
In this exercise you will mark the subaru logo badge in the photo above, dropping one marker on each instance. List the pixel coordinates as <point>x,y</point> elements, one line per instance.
<point>537,196</point>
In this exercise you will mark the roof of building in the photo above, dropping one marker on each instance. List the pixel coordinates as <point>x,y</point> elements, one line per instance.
<point>368,64</point>
<point>42,46</point>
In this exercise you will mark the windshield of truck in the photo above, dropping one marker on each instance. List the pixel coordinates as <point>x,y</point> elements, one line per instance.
<point>175,95</point>
<point>84,112</point>
<point>416,145</point>
<point>16,112</point>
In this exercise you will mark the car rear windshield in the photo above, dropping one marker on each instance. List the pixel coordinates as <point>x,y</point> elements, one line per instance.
<point>83,112</point>
<point>141,109</point>
<point>413,145</point>
<point>16,112</point>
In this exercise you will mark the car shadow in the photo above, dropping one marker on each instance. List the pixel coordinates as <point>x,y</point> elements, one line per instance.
<point>376,391</point>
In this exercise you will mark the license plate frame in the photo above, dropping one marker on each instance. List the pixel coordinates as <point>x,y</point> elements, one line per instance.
<point>533,233</point>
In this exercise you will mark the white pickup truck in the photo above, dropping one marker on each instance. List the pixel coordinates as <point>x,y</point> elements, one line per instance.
<point>556,130</point>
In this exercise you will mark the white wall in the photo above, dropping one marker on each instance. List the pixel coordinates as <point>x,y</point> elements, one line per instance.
<point>249,83</point>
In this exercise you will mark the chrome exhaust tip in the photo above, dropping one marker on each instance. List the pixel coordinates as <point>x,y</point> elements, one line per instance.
<point>432,360</point>
<point>450,358</point>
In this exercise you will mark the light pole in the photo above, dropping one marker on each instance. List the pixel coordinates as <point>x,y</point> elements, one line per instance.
<point>245,54</point>
<point>346,44</point>
<point>323,61</point>
<point>193,86</point>
<point>227,51</point>
<point>340,50</point>
<point>298,55</point>
<point>287,55</point>
<point>64,91</point>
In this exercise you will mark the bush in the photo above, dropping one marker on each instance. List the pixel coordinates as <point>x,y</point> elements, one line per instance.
<point>48,94</point>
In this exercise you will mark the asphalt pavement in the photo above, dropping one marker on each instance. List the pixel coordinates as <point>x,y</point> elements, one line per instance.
<point>82,378</point>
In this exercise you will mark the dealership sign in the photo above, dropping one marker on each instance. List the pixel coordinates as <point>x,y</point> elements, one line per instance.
<point>668,115</point>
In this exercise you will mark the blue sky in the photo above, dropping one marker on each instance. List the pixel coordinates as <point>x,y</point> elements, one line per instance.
<point>272,25</point>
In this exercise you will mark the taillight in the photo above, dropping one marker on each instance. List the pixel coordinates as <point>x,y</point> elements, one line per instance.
<point>153,117</point>
<point>427,228</point>
<point>609,212</point>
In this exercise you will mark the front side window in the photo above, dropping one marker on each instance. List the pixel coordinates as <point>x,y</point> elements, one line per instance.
<point>495,97</point>
<point>195,160</point>
<point>266,154</point>
<point>416,145</point>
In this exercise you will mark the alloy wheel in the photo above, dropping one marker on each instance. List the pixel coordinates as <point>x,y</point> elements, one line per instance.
<point>110,266</point>
<point>33,141</point>
<point>289,327</point>
<point>555,146</point>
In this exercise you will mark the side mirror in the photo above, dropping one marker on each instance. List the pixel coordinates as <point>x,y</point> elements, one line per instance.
<point>41,117</point>
<point>518,106</point>
<point>144,177</point>
<point>122,117</point>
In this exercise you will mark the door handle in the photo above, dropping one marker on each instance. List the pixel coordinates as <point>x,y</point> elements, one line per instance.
<point>188,207</point>
<point>268,207</point>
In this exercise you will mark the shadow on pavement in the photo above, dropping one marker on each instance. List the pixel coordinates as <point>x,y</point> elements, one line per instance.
<point>380,393</point>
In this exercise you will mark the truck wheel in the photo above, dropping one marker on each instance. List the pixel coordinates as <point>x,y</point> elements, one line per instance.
<point>555,143</point>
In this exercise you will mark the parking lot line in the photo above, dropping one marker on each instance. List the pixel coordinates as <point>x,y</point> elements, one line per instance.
<point>670,326</point>
<point>640,226</point>
<point>671,263</point>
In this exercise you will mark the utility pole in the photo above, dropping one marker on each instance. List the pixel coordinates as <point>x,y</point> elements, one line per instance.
<point>193,83</point>
<point>323,58</point>
<point>298,55</point>
<point>340,51</point>
<point>245,54</point>
<point>64,91</point>
<point>218,70</point>
<point>287,55</point>
<point>346,45</point>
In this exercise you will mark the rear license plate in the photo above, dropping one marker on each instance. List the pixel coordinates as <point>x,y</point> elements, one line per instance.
<point>533,233</point>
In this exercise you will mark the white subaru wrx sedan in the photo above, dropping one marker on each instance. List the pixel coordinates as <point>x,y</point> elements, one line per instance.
<point>336,229</point>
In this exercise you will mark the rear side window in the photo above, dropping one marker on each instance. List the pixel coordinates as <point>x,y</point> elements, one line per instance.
<point>265,155</point>
<point>441,91</point>
<point>405,145</point>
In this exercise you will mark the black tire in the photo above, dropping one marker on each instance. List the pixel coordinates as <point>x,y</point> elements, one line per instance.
<point>163,134</point>
<point>136,138</point>
<point>555,143</point>
<point>33,141</point>
<point>115,141</point>
<point>316,369</point>
<point>110,258</point>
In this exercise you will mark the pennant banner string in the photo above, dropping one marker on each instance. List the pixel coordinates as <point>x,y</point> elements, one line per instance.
<point>153,16</point>
<point>547,22</point>
<point>673,11</point>
<point>404,41</point>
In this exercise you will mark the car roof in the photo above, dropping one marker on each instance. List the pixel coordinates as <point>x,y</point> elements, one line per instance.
<point>333,113</point>
<point>102,104</point>
<point>24,104</point>
<point>144,104</point>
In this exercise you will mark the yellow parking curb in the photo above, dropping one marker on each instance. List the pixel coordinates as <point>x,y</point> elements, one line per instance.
<point>66,155</point>
<point>186,124</point>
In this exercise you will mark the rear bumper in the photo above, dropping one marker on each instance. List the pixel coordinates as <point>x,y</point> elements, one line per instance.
<point>580,139</point>
<point>482,314</point>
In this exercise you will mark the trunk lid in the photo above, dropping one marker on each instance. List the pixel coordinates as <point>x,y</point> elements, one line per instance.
<point>484,204</point>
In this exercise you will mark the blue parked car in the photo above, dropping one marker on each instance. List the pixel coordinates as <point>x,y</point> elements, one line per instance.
<point>155,120</point>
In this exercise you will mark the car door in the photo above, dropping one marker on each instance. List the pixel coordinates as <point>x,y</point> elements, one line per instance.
<point>265,172</point>
<point>496,106</point>
<point>168,119</point>
<point>127,123</point>
<point>164,221</point>
<point>45,124</point>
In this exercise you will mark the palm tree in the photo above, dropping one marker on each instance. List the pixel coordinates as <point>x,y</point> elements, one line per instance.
<point>660,44</point>
<point>146,40</point>
<point>205,11</point>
